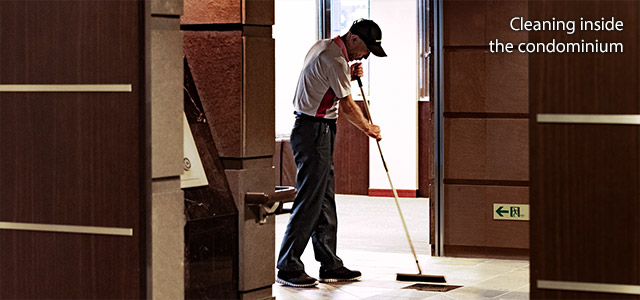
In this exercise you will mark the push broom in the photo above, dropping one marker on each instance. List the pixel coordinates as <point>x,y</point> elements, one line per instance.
<point>401,276</point>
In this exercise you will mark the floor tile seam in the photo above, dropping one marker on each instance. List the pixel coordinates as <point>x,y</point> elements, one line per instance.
<point>527,267</point>
<point>498,272</point>
<point>406,295</point>
<point>502,293</point>
<point>523,268</point>
<point>506,261</point>
<point>522,287</point>
<point>464,289</point>
<point>401,284</point>
<point>485,277</point>
<point>360,297</point>
<point>296,293</point>
<point>475,284</point>
<point>505,292</point>
<point>507,274</point>
<point>492,263</point>
<point>352,294</point>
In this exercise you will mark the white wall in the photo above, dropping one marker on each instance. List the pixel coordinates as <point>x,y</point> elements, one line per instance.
<point>394,95</point>
<point>295,31</point>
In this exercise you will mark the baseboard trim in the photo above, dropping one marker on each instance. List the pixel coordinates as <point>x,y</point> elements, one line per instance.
<point>486,252</point>
<point>389,193</point>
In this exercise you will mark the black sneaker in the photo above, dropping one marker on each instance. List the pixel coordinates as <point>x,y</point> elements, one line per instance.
<point>296,279</point>
<point>339,274</point>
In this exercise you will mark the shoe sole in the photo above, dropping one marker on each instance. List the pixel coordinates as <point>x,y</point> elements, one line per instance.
<point>332,280</point>
<point>284,282</point>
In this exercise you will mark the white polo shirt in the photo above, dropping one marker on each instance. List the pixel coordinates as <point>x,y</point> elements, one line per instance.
<point>325,78</point>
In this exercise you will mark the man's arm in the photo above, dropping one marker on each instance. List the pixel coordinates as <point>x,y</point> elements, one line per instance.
<point>351,110</point>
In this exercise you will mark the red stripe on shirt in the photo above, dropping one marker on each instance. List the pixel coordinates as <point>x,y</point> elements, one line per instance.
<point>330,96</point>
<point>327,102</point>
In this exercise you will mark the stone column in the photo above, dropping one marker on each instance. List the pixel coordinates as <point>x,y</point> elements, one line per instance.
<point>231,55</point>
<point>165,239</point>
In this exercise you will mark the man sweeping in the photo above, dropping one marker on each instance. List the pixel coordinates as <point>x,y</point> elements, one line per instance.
<point>323,86</point>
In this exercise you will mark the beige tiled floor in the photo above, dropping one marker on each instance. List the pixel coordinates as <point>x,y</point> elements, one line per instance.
<point>371,239</point>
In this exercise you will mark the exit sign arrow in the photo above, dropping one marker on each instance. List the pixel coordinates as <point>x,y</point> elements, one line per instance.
<point>507,211</point>
<point>500,211</point>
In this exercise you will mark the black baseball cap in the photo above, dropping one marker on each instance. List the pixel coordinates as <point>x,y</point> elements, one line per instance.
<point>370,33</point>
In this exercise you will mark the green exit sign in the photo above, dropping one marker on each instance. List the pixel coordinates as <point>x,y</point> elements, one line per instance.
<point>518,212</point>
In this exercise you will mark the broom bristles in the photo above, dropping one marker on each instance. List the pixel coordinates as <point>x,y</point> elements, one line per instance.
<point>420,278</point>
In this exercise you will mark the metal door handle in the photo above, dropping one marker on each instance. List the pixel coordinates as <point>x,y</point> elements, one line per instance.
<point>265,204</point>
<point>281,194</point>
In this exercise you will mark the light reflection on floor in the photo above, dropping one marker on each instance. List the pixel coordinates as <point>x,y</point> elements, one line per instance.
<point>371,239</point>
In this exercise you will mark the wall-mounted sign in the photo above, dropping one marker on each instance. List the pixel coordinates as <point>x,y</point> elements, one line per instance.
<point>194,174</point>
<point>518,212</point>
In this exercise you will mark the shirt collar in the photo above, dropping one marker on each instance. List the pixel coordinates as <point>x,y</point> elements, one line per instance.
<point>342,46</point>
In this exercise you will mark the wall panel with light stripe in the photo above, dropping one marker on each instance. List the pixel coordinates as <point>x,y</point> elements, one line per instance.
<point>585,158</point>
<point>72,150</point>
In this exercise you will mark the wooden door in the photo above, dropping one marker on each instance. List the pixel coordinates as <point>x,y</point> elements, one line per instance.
<point>72,150</point>
<point>585,157</point>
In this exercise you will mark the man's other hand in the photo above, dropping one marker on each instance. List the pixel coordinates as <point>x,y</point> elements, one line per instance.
<point>374,131</point>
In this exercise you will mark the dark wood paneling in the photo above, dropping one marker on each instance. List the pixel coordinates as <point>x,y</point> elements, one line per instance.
<point>38,265</point>
<point>465,81</point>
<point>59,156</point>
<point>588,83</point>
<point>585,191</point>
<point>289,168</point>
<point>465,148</point>
<point>426,175</point>
<point>469,217</point>
<point>498,17</point>
<point>72,158</point>
<point>464,23</point>
<point>486,149</point>
<point>586,203</point>
<point>285,164</point>
<point>465,216</point>
<point>486,252</point>
<point>507,83</point>
<point>389,193</point>
<point>351,158</point>
<point>87,48</point>
<point>507,149</point>
<point>475,22</point>
<point>485,128</point>
<point>481,82</point>
<point>277,162</point>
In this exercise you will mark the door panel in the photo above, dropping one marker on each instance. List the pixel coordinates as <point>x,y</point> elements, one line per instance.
<point>585,173</point>
<point>72,158</point>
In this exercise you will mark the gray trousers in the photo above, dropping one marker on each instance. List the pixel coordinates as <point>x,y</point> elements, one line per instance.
<point>314,209</point>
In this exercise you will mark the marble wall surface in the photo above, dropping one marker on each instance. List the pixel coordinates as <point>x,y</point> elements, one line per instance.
<point>211,233</point>
<point>229,52</point>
